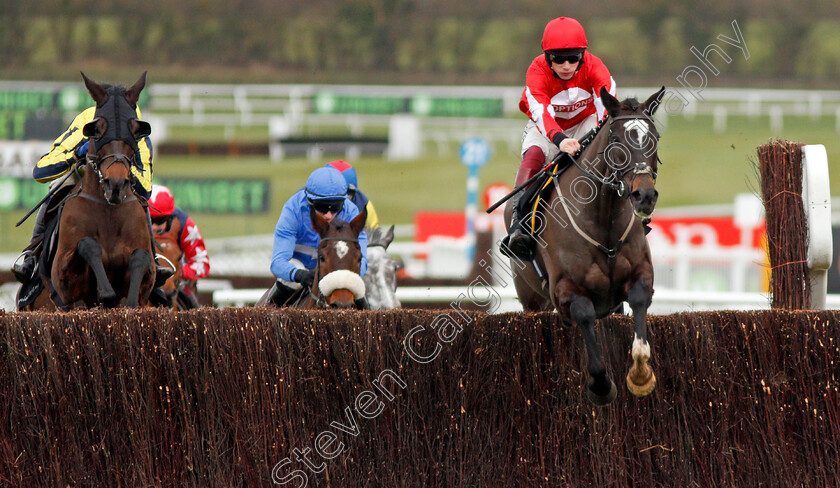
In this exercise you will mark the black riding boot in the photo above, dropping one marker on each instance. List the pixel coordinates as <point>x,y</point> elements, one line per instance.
<point>519,241</point>
<point>280,294</point>
<point>24,268</point>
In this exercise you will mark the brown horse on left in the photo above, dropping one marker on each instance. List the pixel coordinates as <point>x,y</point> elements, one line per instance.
<point>104,252</point>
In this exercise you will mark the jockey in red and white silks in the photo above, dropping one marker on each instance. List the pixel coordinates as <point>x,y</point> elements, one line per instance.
<point>563,106</point>
<point>561,99</point>
<point>162,210</point>
<point>570,107</point>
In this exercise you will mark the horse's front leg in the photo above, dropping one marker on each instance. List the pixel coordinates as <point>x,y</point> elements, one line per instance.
<point>91,252</point>
<point>640,378</point>
<point>600,388</point>
<point>139,264</point>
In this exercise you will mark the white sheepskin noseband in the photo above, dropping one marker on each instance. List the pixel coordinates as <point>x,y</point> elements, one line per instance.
<point>342,279</point>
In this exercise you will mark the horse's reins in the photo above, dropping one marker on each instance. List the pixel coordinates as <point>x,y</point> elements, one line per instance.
<point>623,192</point>
<point>638,169</point>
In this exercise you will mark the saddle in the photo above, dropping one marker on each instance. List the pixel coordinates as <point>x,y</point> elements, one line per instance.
<point>538,193</point>
<point>44,249</point>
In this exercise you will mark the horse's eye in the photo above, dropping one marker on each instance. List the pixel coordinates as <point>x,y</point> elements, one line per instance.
<point>321,258</point>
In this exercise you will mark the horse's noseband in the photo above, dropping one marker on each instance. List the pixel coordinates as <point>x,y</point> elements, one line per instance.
<point>320,299</point>
<point>623,189</point>
<point>95,162</point>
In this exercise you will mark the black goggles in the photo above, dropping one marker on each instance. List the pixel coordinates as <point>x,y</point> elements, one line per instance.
<point>324,206</point>
<point>163,219</point>
<point>560,59</point>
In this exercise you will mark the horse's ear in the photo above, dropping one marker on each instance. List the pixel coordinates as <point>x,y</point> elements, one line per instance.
<point>97,92</point>
<point>133,93</point>
<point>388,237</point>
<point>319,223</point>
<point>652,103</point>
<point>372,235</point>
<point>358,223</point>
<point>611,103</point>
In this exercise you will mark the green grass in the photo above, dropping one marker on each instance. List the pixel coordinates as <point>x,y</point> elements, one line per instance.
<point>699,167</point>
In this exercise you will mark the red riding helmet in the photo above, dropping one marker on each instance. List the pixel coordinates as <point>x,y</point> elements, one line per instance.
<point>162,202</point>
<point>563,33</point>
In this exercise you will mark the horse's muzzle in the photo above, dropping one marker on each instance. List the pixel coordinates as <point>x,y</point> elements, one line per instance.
<point>342,304</point>
<point>116,190</point>
<point>644,201</point>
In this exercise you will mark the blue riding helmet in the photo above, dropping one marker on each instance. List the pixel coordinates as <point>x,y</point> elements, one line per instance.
<point>325,184</point>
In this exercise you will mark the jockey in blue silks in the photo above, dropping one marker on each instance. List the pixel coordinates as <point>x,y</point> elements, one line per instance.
<point>294,237</point>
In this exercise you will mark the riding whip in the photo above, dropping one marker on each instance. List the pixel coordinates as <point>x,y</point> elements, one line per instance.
<point>585,140</point>
<point>526,183</point>
<point>43,200</point>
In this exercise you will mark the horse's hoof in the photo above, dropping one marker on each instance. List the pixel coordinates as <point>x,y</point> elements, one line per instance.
<point>598,399</point>
<point>108,299</point>
<point>641,386</point>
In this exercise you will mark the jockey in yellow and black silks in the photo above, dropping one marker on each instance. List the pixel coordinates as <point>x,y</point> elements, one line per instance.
<point>71,147</point>
<point>68,149</point>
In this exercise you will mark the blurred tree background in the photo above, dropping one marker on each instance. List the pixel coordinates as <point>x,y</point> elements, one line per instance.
<point>480,42</point>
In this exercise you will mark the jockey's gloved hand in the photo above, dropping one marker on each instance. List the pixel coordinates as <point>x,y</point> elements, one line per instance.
<point>558,137</point>
<point>82,149</point>
<point>305,277</point>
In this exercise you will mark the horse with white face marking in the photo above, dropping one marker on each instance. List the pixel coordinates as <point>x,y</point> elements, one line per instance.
<point>337,281</point>
<point>592,254</point>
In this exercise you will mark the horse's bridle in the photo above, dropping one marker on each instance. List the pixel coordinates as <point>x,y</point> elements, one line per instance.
<point>95,162</point>
<point>320,299</point>
<point>621,188</point>
<point>616,180</point>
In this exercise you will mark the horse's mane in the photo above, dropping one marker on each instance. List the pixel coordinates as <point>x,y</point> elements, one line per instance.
<point>340,225</point>
<point>632,103</point>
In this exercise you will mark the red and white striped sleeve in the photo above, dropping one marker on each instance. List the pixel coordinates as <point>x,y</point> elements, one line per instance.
<point>536,99</point>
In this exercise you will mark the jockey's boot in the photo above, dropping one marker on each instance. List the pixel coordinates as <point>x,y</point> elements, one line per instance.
<point>519,241</point>
<point>162,273</point>
<point>158,298</point>
<point>280,293</point>
<point>24,268</point>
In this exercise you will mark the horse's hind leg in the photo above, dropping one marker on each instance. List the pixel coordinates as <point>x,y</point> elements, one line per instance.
<point>91,252</point>
<point>640,378</point>
<point>138,265</point>
<point>600,388</point>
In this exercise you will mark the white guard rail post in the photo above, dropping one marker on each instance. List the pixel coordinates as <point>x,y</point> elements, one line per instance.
<point>816,197</point>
